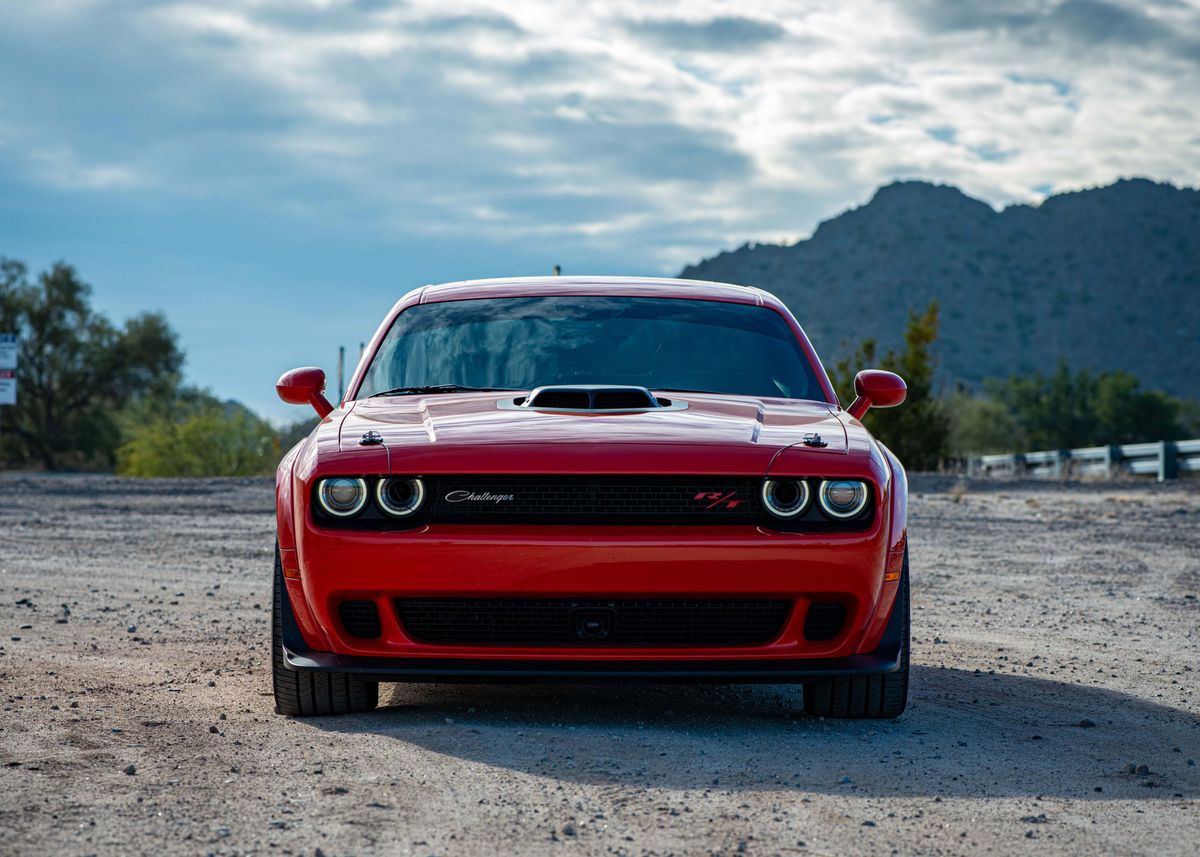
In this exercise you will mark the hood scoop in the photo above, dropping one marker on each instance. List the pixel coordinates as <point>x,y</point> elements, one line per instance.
<point>592,398</point>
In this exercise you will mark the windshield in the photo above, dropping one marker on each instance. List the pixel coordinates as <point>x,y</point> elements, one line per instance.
<point>659,343</point>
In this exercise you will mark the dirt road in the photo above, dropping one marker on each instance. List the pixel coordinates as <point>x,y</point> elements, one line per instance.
<point>134,621</point>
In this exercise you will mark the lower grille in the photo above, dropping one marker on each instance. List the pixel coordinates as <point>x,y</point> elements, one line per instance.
<point>620,622</point>
<point>360,619</point>
<point>824,620</point>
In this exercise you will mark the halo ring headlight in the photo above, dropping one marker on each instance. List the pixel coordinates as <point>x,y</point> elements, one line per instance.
<point>400,498</point>
<point>342,496</point>
<point>785,498</point>
<point>842,498</point>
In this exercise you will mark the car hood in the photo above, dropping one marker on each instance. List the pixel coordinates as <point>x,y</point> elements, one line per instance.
<point>473,433</point>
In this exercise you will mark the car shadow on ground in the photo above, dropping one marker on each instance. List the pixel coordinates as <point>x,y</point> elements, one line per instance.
<point>964,735</point>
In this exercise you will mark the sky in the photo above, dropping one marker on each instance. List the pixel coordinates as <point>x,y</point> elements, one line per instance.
<point>274,174</point>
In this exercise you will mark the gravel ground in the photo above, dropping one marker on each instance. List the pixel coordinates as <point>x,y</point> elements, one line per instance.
<point>1057,635</point>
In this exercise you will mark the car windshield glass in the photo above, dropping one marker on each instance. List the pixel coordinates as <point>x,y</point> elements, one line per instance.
<point>659,343</point>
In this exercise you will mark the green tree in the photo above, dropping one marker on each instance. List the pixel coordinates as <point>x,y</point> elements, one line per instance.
<point>1054,411</point>
<point>1066,410</point>
<point>842,373</point>
<point>77,369</point>
<point>918,431</point>
<point>1128,414</point>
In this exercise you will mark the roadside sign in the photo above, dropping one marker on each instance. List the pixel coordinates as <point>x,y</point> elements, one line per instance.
<point>8,351</point>
<point>8,387</point>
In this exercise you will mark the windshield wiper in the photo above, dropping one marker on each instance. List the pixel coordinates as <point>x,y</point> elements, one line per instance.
<point>434,389</point>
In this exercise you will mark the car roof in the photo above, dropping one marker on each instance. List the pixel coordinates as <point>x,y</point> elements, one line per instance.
<point>665,287</point>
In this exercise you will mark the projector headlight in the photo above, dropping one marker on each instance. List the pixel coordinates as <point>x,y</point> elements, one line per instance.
<point>400,497</point>
<point>842,498</point>
<point>342,496</point>
<point>785,498</point>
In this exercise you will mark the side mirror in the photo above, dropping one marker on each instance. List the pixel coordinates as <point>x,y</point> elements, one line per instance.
<point>305,387</point>
<point>876,389</point>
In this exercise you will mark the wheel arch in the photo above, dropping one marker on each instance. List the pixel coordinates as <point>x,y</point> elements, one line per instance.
<point>285,507</point>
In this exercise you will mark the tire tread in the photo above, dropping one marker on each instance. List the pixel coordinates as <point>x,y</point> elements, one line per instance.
<point>305,694</point>
<point>881,696</point>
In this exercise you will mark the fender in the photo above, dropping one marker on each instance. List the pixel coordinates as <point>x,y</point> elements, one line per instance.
<point>882,468</point>
<point>304,470</point>
<point>288,504</point>
<point>897,545</point>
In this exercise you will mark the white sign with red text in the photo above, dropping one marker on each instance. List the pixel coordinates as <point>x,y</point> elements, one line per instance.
<point>8,368</point>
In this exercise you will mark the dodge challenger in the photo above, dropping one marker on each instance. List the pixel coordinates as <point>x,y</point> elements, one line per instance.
<point>591,479</point>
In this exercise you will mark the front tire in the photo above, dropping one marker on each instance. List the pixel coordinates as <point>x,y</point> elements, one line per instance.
<point>304,694</point>
<point>873,697</point>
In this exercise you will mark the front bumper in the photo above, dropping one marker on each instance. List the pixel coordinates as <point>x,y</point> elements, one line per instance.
<point>588,563</point>
<point>297,655</point>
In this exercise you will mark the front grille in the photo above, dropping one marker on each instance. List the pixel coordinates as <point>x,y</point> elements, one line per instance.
<point>824,620</point>
<point>360,619</point>
<point>589,499</point>
<point>619,622</point>
<point>581,500</point>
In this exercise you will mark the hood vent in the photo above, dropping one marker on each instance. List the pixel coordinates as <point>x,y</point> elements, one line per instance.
<point>593,397</point>
<point>550,397</point>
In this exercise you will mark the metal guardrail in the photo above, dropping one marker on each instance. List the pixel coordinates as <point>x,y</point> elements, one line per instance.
<point>1168,459</point>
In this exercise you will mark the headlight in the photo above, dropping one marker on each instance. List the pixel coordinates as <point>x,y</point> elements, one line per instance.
<point>342,496</point>
<point>400,497</point>
<point>785,498</point>
<point>842,498</point>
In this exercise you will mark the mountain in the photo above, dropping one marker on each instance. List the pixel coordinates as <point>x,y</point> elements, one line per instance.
<point>1107,278</point>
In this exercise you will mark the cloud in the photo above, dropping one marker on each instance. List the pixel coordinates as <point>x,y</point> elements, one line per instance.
<point>726,33</point>
<point>485,22</point>
<point>1088,24</point>
<point>657,133</point>
<point>60,169</point>
<point>1096,22</point>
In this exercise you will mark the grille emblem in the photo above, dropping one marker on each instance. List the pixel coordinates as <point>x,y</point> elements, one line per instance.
<point>716,499</point>
<point>482,497</point>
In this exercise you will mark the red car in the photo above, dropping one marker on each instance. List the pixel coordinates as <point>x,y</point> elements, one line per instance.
<point>584,479</point>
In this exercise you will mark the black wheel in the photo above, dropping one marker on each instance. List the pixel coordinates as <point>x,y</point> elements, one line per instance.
<point>876,697</point>
<point>303,694</point>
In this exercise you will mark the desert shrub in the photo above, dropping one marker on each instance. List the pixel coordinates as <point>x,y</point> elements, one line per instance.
<point>210,440</point>
<point>979,426</point>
